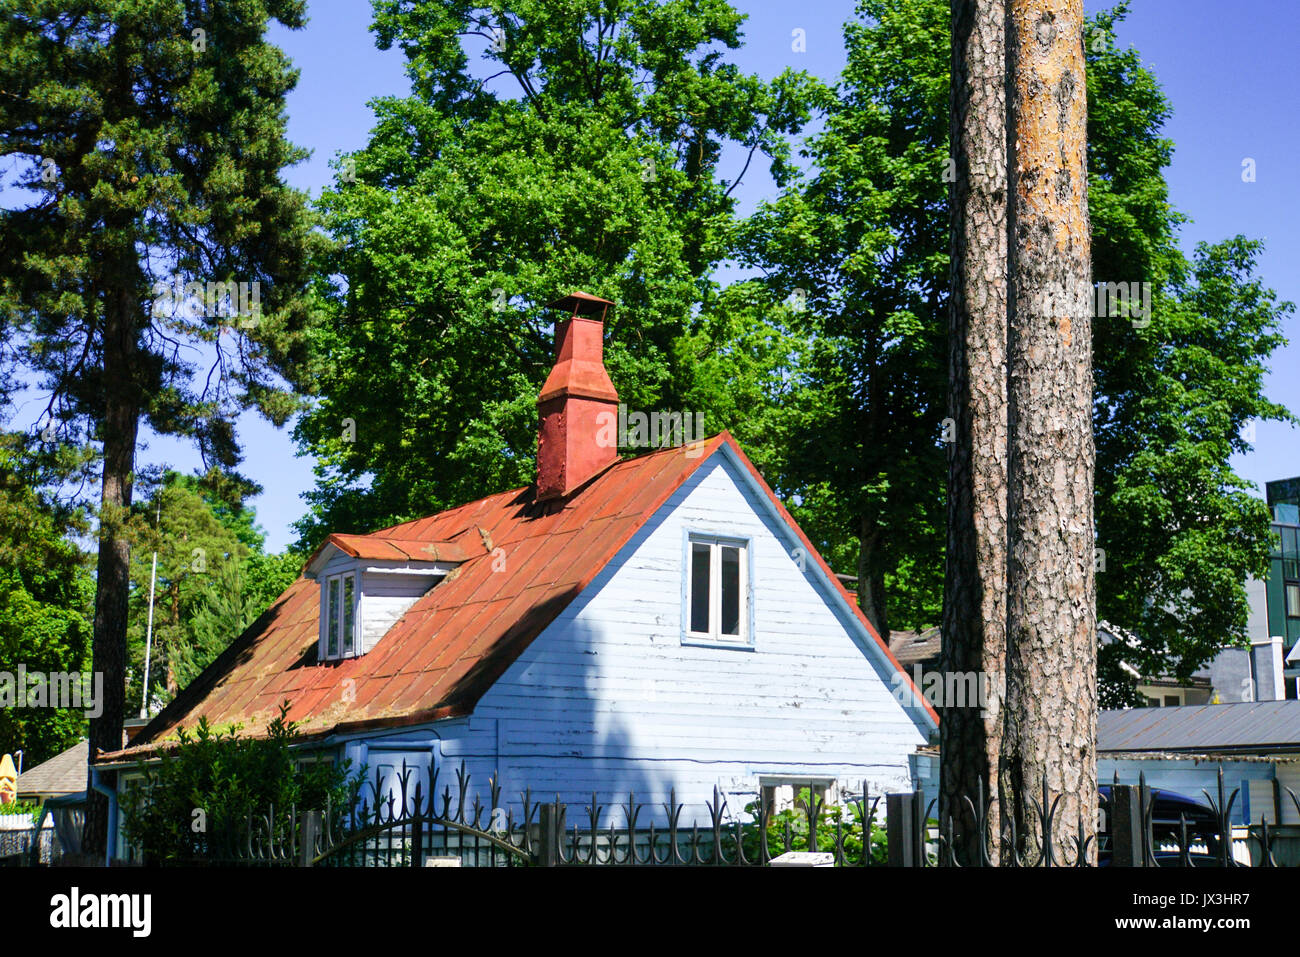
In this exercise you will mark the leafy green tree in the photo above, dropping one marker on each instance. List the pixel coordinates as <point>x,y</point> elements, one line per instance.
<point>149,138</point>
<point>212,581</point>
<point>46,594</point>
<point>863,233</point>
<point>544,148</point>
<point>861,240</point>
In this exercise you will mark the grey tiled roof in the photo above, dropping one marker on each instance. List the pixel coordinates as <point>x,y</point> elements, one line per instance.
<point>915,647</point>
<point>1245,725</point>
<point>65,773</point>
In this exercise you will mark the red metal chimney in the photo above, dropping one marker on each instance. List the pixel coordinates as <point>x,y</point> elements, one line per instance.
<point>574,441</point>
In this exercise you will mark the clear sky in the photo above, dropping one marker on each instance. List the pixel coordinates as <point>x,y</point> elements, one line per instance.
<point>1229,69</point>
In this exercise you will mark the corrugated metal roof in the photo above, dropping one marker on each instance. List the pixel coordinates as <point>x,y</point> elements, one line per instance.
<point>1252,725</point>
<point>532,558</point>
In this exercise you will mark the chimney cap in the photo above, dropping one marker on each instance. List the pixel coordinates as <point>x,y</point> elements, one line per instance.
<point>581,304</point>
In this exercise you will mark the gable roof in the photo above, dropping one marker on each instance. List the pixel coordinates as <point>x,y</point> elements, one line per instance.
<point>65,773</point>
<point>1241,725</point>
<point>525,562</point>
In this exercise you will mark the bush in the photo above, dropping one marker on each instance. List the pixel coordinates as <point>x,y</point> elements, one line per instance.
<point>795,820</point>
<point>196,801</point>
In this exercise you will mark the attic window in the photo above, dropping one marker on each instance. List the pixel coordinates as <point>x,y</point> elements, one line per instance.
<point>339,616</point>
<point>716,591</point>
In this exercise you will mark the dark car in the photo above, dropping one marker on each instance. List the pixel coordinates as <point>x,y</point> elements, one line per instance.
<point>1169,810</point>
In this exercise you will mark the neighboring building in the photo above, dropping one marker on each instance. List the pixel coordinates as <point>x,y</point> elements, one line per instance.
<point>1270,668</point>
<point>61,775</point>
<point>916,648</point>
<point>625,626</point>
<point>1281,591</point>
<point>1181,749</point>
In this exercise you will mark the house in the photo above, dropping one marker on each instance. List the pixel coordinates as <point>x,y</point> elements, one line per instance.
<point>642,625</point>
<point>60,776</point>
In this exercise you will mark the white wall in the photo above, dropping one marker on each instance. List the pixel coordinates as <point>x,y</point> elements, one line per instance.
<point>609,699</point>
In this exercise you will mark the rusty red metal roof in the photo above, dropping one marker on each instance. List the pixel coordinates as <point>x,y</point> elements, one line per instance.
<point>380,547</point>
<point>523,562</point>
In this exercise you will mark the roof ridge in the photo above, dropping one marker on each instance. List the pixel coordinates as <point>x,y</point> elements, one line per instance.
<point>617,463</point>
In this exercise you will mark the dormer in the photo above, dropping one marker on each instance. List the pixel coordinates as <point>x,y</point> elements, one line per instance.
<point>367,582</point>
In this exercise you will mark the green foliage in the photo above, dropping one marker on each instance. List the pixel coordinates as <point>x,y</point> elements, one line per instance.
<point>788,830</point>
<point>30,808</point>
<point>596,168</point>
<point>131,131</point>
<point>864,233</point>
<point>204,791</point>
<point>213,580</point>
<point>46,593</point>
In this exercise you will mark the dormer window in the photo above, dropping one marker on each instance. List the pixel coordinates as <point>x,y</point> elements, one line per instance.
<point>340,618</point>
<point>716,591</point>
<point>368,582</point>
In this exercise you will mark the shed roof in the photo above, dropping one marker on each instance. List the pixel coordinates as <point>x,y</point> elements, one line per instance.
<point>525,561</point>
<point>1242,725</point>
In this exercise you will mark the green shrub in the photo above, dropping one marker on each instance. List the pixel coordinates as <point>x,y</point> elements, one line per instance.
<point>196,800</point>
<point>31,808</point>
<point>848,818</point>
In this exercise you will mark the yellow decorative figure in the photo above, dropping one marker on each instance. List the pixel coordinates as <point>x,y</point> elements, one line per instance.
<point>8,780</point>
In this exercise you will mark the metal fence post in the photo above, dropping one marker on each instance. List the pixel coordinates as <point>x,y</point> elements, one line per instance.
<point>417,841</point>
<point>904,825</point>
<point>307,842</point>
<point>548,852</point>
<point>1127,831</point>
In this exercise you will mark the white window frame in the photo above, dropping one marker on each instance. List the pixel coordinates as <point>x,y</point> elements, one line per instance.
<point>714,636</point>
<point>326,582</point>
<point>771,786</point>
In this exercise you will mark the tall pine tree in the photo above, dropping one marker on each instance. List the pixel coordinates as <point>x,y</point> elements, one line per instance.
<point>150,141</point>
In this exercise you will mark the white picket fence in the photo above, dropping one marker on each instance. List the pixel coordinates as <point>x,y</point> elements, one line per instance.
<point>18,831</point>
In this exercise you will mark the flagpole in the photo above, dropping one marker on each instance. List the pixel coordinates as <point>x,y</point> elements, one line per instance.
<point>148,639</point>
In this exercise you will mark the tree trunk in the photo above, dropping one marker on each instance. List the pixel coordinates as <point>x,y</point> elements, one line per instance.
<point>113,575</point>
<point>871,579</point>
<point>1051,706</point>
<point>974,609</point>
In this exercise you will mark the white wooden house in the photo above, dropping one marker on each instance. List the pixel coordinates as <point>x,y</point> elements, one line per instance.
<point>641,625</point>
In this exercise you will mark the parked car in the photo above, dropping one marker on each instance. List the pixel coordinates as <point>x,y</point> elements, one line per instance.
<point>1169,810</point>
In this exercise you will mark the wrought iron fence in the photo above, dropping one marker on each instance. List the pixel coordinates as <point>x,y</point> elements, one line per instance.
<point>411,824</point>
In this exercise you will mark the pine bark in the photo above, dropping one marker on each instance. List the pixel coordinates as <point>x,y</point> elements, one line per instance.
<point>974,611</point>
<point>1051,705</point>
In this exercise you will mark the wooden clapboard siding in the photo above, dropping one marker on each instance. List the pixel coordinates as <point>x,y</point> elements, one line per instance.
<point>608,698</point>
<point>385,597</point>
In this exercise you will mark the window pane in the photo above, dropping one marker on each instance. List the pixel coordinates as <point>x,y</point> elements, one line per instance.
<point>1292,600</point>
<point>699,587</point>
<point>332,645</point>
<point>349,619</point>
<point>730,590</point>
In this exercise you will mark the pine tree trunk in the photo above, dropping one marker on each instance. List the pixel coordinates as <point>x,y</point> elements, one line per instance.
<point>974,611</point>
<point>871,579</point>
<point>112,583</point>
<point>1051,706</point>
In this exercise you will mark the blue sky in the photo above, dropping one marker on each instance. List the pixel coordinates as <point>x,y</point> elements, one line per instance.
<point>1229,70</point>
